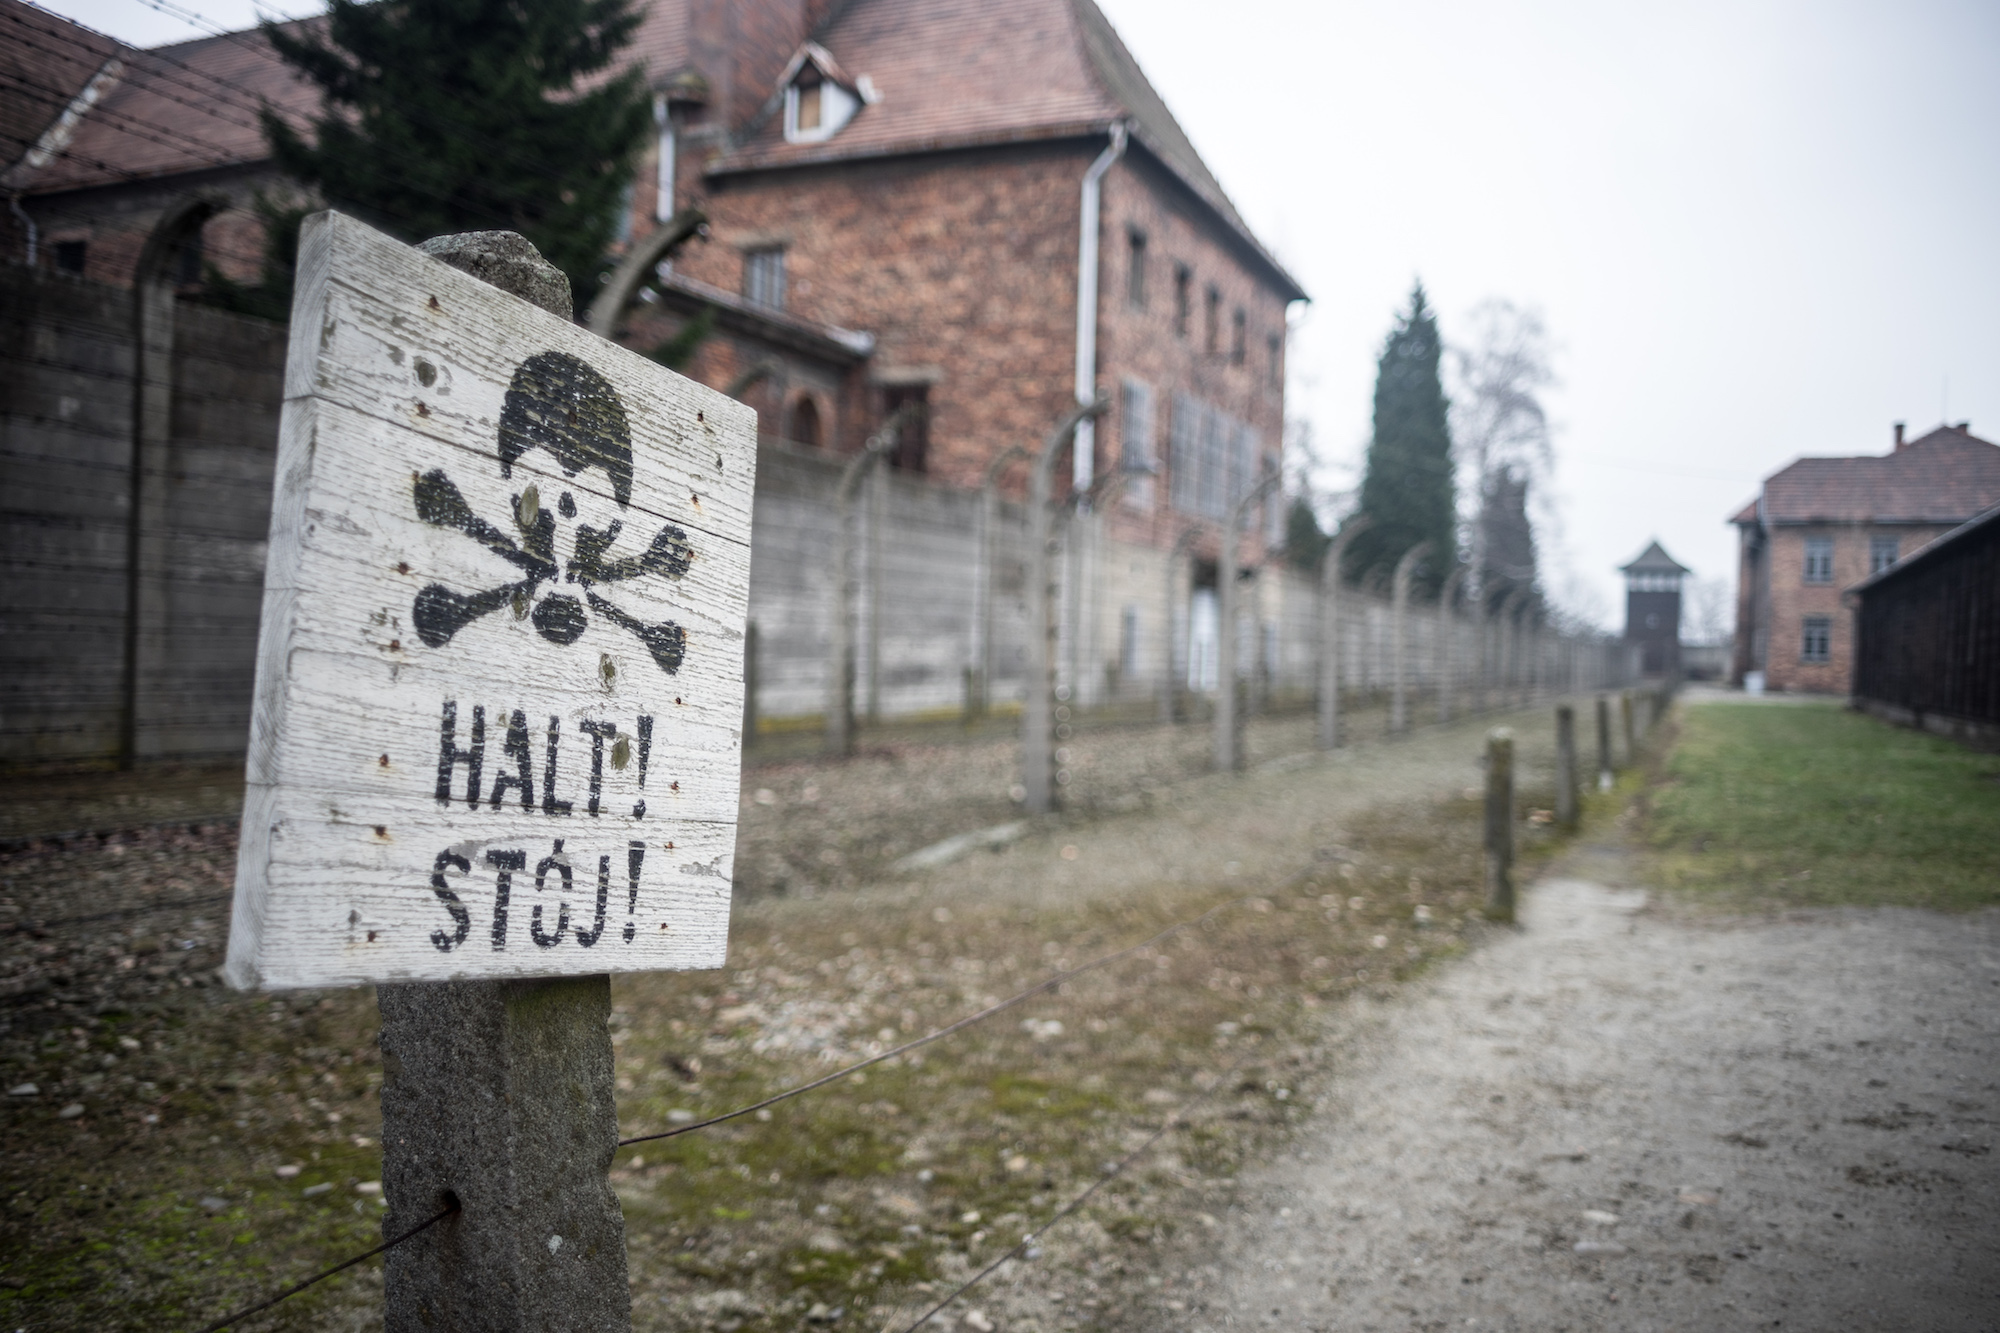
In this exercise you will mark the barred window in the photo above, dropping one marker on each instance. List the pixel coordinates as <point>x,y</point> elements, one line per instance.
<point>1817,645</point>
<point>764,278</point>
<point>1135,429</point>
<point>1819,560</point>
<point>1213,458</point>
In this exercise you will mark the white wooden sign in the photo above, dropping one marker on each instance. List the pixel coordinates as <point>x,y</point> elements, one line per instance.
<point>499,701</point>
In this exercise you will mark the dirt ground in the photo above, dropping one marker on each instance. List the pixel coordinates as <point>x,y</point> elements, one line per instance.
<point>149,1111</point>
<point>1625,1117</point>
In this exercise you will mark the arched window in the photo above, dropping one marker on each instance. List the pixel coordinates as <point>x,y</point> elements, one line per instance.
<point>803,425</point>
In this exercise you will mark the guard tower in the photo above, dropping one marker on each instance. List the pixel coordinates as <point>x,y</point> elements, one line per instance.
<point>1653,610</point>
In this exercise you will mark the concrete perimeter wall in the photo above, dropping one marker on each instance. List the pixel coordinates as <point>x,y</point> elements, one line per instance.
<point>67,368</point>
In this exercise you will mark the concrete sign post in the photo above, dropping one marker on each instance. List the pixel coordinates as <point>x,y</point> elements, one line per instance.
<point>496,739</point>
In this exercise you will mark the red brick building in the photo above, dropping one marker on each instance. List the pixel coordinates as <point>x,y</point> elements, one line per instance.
<point>1823,525</point>
<point>898,193</point>
<point>986,209</point>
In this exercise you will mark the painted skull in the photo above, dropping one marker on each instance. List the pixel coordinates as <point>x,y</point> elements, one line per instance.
<point>557,403</point>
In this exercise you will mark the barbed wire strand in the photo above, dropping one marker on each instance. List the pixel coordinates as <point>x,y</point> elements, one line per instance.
<point>123,123</point>
<point>294,1290</point>
<point>1117,1169</point>
<point>31,927</point>
<point>239,97</point>
<point>963,1023</point>
<point>250,39</point>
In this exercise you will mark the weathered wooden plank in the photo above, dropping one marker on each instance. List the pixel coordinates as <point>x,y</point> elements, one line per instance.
<point>482,582</point>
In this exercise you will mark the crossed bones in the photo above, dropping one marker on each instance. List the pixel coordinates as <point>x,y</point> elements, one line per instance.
<point>559,403</point>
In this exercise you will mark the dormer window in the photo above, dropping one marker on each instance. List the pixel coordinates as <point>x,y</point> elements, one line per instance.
<point>808,88</point>
<point>818,101</point>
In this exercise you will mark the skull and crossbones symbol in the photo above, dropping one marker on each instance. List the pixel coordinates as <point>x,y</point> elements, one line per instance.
<point>558,403</point>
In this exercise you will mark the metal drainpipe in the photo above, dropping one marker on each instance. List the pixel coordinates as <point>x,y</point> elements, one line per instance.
<point>1083,461</point>
<point>664,164</point>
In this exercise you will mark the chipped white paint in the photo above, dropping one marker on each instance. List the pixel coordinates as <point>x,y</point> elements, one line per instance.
<point>379,664</point>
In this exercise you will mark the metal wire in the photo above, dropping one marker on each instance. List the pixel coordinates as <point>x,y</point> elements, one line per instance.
<point>1117,1169</point>
<point>963,1023</point>
<point>294,1290</point>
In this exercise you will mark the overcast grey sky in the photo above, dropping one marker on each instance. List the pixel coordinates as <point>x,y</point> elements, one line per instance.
<point>1755,230</point>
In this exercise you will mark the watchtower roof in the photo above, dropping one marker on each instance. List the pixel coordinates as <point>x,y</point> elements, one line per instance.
<point>1654,560</point>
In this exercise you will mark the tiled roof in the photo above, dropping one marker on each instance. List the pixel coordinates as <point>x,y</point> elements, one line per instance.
<point>962,73</point>
<point>45,61</point>
<point>1931,549</point>
<point>1946,476</point>
<point>951,73</point>
<point>1012,71</point>
<point>661,42</point>
<point>1654,560</point>
<point>187,107</point>
<point>734,312</point>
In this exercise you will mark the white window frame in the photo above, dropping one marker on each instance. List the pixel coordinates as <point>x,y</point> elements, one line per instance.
<point>761,290</point>
<point>836,107</point>
<point>1879,545</point>
<point>1816,546</point>
<point>1824,624</point>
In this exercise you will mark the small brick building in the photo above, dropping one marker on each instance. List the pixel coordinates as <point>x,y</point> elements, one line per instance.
<point>1822,525</point>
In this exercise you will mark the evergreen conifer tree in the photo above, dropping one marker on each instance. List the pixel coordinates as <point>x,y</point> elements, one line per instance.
<point>1407,489</point>
<point>472,115</point>
<point>1305,541</point>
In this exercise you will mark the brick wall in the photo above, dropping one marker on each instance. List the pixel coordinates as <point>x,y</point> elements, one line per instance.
<point>1791,600</point>
<point>1141,341</point>
<point>113,222</point>
<point>962,266</point>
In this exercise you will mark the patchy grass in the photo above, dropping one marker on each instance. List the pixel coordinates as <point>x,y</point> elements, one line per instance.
<point>155,1203</point>
<point>1815,804</point>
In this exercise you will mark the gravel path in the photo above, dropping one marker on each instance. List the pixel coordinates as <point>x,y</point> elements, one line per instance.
<point>1617,1119</point>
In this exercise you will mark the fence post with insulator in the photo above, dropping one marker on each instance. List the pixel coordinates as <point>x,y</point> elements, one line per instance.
<point>1566,795</point>
<point>1500,824</point>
